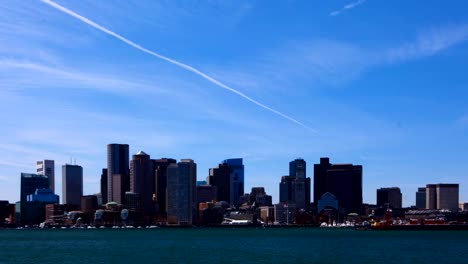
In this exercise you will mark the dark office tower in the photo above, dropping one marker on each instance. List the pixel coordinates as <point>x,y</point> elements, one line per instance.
<point>421,198</point>
<point>228,178</point>
<point>320,178</point>
<point>389,196</point>
<point>72,184</point>
<point>118,179</point>
<point>220,177</point>
<point>47,168</point>
<point>104,186</point>
<point>297,168</point>
<point>142,180</point>
<point>181,192</point>
<point>237,179</point>
<point>30,183</point>
<point>295,188</point>
<point>27,212</point>
<point>342,180</point>
<point>160,169</point>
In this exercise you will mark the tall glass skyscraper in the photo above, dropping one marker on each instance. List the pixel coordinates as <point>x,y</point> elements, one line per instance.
<point>118,179</point>
<point>228,178</point>
<point>142,180</point>
<point>295,188</point>
<point>181,192</point>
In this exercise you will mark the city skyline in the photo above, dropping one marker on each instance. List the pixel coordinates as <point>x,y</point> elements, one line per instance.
<point>391,100</point>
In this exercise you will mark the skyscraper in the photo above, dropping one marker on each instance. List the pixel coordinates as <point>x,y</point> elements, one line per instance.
<point>160,168</point>
<point>47,168</point>
<point>181,192</point>
<point>72,184</point>
<point>421,198</point>
<point>342,180</point>
<point>142,180</point>
<point>30,212</point>
<point>295,188</point>
<point>237,179</point>
<point>228,178</point>
<point>389,196</point>
<point>30,183</point>
<point>118,179</point>
<point>104,186</point>
<point>442,196</point>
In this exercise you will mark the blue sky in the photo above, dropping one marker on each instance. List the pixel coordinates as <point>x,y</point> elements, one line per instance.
<point>377,83</point>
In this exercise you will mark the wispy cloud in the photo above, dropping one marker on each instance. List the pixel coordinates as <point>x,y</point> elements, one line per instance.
<point>347,7</point>
<point>174,62</point>
<point>428,43</point>
<point>331,63</point>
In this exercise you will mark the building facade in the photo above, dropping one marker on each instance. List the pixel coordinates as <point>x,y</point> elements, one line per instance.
<point>421,198</point>
<point>181,192</point>
<point>295,188</point>
<point>160,168</point>
<point>47,168</point>
<point>389,196</point>
<point>31,212</point>
<point>118,179</point>
<point>142,180</point>
<point>206,193</point>
<point>72,184</point>
<point>342,180</point>
<point>228,178</point>
<point>104,186</point>
<point>442,196</point>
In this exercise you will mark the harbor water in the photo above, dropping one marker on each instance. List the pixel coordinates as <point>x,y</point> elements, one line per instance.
<point>231,245</point>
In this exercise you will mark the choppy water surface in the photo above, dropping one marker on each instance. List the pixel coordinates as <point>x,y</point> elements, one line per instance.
<point>227,245</point>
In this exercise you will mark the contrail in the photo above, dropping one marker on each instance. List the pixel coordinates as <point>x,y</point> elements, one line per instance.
<point>175,62</point>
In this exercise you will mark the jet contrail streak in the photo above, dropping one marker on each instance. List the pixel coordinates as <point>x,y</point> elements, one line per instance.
<point>177,63</point>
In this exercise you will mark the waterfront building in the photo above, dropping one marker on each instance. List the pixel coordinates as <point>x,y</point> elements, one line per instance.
<point>89,203</point>
<point>118,179</point>
<point>47,168</point>
<point>206,193</point>
<point>228,178</point>
<point>72,184</point>
<point>30,183</point>
<point>181,192</point>
<point>389,196</point>
<point>160,169</point>
<point>421,198</point>
<point>31,212</point>
<point>5,212</point>
<point>295,187</point>
<point>267,214</point>
<point>57,213</point>
<point>442,196</point>
<point>104,186</point>
<point>285,213</point>
<point>43,195</point>
<point>342,180</point>
<point>142,181</point>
